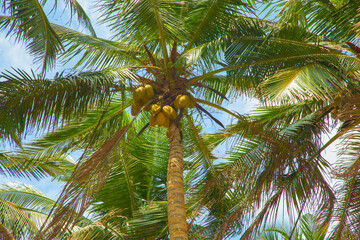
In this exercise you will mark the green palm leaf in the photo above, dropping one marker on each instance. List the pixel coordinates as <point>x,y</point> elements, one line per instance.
<point>31,101</point>
<point>23,209</point>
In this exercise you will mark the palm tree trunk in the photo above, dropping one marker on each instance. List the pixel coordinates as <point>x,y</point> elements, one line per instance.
<point>175,187</point>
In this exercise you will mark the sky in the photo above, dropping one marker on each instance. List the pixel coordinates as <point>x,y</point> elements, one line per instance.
<point>13,54</point>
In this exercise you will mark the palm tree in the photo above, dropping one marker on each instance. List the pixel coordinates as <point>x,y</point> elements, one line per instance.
<point>175,48</point>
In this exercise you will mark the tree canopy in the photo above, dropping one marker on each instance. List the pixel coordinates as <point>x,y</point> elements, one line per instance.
<point>152,174</point>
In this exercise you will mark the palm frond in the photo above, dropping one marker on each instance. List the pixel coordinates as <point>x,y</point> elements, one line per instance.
<point>332,19</point>
<point>28,21</point>
<point>83,18</point>
<point>346,214</point>
<point>288,169</point>
<point>96,53</point>
<point>84,185</point>
<point>149,18</point>
<point>29,101</point>
<point>299,84</point>
<point>211,19</point>
<point>23,209</point>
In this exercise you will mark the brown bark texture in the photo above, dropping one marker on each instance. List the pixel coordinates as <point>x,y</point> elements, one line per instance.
<point>175,187</point>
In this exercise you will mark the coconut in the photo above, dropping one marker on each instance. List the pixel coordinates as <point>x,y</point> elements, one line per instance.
<point>155,109</point>
<point>184,101</point>
<point>161,119</point>
<point>149,91</point>
<point>169,112</point>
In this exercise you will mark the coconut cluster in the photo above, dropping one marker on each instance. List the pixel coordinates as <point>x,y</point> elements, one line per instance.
<point>160,114</point>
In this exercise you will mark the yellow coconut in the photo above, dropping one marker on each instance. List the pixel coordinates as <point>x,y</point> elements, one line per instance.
<point>149,91</point>
<point>167,122</point>
<point>155,109</point>
<point>184,101</point>
<point>139,94</point>
<point>161,119</point>
<point>169,112</point>
<point>138,102</point>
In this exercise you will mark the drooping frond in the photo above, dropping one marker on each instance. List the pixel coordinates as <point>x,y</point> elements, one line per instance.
<point>273,164</point>
<point>29,101</point>
<point>83,18</point>
<point>347,214</point>
<point>85,183</point>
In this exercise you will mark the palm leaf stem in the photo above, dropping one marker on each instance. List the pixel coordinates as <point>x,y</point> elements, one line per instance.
<point>211,89</point>
<point>200,26</point>
<point>163,44</point>
<point>147,67</point>
<point>334,138</point>
<point>345,208</point>
<point>128,182</point>
<point>201,109</point>
<point>297,220</point>
<point>217,107</point>
<point>153,62</point>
